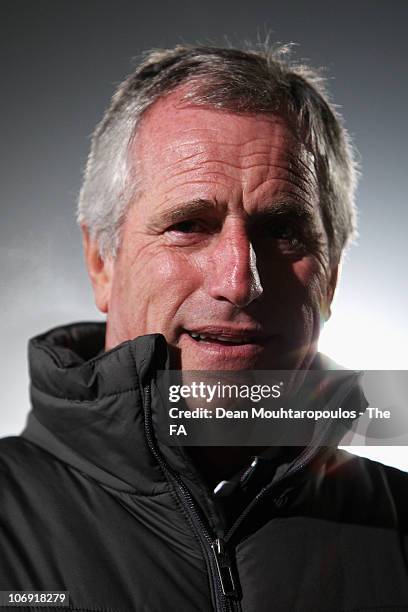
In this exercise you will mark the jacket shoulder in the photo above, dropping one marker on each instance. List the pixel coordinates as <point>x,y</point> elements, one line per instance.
<point>375,479</point>
<point>17,453</point>
<point>23,463</point>
<point>370,467</point>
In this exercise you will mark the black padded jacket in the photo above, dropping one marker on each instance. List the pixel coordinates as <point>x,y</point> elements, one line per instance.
<point>93,504</point>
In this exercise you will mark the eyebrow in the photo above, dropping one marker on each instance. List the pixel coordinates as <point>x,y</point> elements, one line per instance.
<point>184,211</point>
<point>288,208</point>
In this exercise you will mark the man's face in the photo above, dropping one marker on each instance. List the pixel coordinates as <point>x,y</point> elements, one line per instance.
<point>224,250</point>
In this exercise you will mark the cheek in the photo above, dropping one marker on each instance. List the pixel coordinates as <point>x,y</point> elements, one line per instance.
<point>293,284</point>
<point>154,286</point>
<point>311,277</point>
<point>302,287</point>
<point>169,269</point>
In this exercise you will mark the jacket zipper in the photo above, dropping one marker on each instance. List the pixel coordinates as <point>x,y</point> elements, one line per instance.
<point>224,581</point>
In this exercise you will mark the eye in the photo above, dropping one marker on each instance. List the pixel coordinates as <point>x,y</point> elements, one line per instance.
<point>285,235</point>
<point>190,232</point>
<point>283,231</point>
<point>187,227</point>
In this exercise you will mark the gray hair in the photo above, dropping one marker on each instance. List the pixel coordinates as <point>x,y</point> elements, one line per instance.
<point>241,81</point>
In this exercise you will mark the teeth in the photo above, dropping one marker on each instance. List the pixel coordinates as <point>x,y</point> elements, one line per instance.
<point>220,339</point>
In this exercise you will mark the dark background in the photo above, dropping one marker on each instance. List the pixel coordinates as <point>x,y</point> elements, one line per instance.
<point>60,62</point>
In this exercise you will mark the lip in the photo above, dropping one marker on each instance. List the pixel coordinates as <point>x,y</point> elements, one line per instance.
<point>234,334</point>
<point>219,355</point>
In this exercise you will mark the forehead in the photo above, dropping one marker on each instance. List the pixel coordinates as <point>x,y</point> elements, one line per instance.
<point>181,147</point>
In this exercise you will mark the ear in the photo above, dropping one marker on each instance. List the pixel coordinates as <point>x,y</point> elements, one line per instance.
<point>100,271</point>
<point>331,288</point>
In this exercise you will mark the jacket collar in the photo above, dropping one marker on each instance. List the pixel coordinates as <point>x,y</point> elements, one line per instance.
<point>88,406</point>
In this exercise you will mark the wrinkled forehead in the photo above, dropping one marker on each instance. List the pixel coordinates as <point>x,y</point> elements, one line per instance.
<point>173,131</point>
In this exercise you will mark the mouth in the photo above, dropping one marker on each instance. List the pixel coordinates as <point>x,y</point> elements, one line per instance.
<point>224,347</point>
<point>223,339</point>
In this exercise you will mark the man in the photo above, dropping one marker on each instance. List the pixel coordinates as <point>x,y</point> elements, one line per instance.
<point>217,201</point>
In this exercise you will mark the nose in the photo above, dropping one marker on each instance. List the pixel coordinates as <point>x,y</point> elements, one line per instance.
<point>235,275</point>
